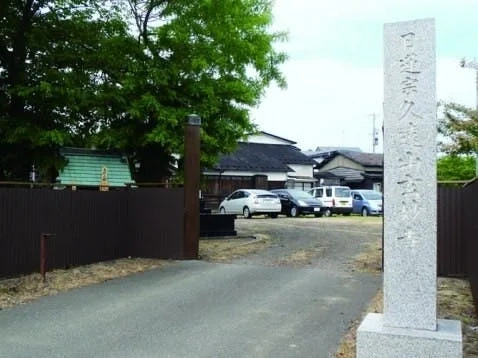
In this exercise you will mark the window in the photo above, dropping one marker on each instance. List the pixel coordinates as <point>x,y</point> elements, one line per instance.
<point>237,195</point>
<point>342,192</point>
<point>328,192</point>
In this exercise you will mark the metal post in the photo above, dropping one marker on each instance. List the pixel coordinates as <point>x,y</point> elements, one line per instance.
<point>192,174</point>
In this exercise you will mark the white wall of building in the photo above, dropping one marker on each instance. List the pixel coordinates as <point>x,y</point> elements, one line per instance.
<point>301,170</point>
<point>266,139</point>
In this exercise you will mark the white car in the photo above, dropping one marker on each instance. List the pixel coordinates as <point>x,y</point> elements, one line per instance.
<point>250,202</point>
<point>337,199</point>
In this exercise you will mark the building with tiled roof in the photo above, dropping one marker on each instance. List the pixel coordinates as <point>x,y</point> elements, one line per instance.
<point>270,160</point>
<point>356,169</point>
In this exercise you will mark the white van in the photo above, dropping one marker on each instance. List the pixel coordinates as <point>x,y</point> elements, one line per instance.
<point>337,199</point>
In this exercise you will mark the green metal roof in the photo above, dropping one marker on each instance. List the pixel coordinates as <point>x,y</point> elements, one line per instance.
<point>85,167</point>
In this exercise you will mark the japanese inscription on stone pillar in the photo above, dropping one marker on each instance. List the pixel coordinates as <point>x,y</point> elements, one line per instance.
<point>410,175</point>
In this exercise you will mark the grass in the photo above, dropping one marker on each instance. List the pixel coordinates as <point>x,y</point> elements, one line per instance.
<point>225,250</point>
<point>454,302</point>
<point>27,288</point>
<point>300,257</point>
<point>370,260</point>
<point>371,220</point>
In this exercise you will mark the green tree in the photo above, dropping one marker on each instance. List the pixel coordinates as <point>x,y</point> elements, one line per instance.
<point>123,74</point>
<point>453,167</point>
<point>54,57</point>
<point>211,57</point>
<point>460,127</point>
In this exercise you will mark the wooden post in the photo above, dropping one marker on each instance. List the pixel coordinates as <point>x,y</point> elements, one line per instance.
<point>191,186</point>
<point>43,254</point>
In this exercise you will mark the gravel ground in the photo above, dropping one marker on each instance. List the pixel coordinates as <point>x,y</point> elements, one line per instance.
<point>327,243</point>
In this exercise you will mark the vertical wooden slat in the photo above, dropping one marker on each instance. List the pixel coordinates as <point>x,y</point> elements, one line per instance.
<point>450,253</point>
<point>470,233</point>
<point>90,226</point>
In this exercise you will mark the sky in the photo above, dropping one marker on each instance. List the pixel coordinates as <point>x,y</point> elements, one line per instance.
<point>335,74</point>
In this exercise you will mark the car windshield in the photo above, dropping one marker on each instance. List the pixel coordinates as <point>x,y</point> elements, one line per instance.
<point>342,192</point>
<point>299,194</point>
<point>372,195</point>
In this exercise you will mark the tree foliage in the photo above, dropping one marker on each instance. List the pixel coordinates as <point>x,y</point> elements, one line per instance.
<point>53,61</point>
<point>459,125</point>
<point>123,75</point>
<point>453,167</point>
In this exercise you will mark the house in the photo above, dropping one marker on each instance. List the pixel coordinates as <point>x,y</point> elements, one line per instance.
<point>264,161</point>
<point>94,169</point>
<point>355,169</point>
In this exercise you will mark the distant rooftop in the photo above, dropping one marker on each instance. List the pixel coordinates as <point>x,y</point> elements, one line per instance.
<point>262,157</point>
<point>320,150</point>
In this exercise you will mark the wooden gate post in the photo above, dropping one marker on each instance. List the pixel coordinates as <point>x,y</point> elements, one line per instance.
<point>192,174</point>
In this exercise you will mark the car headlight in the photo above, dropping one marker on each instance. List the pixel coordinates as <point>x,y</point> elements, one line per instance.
<point>302,203</point>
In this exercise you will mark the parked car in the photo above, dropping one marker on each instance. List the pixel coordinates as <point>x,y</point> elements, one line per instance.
<point>367,202</point>
<point>337,199</point>
<point>296,202</point>
<point>249,202</point>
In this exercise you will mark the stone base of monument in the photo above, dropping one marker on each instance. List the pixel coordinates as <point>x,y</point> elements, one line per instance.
<point>374,340</point>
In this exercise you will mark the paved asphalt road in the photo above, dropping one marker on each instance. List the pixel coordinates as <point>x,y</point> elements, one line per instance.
<point>193,309</point>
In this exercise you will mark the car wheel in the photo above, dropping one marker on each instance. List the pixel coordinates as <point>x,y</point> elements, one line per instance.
<point>274,216</point>
<point>222,210</point>
<point>328,212</point>
<point>364,211</point>
<point>246,213</point>
<point>293,211</point>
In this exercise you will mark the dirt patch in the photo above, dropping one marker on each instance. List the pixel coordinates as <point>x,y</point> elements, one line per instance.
<point>370,260</point>
<point>225,250</point>
<point>300,257</point>
<point>27,288</point>
<point>454,302</point>
<point>347,348</point>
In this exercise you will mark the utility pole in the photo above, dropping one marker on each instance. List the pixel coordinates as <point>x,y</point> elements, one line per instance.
<point>474,65</point>
<point>374,133</point>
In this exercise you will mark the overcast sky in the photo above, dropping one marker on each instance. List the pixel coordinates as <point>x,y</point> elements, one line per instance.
<point>335,74</point>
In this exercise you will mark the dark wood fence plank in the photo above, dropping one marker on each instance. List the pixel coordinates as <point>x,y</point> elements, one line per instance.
<point>450,255</point>
<point>470,231</point>
<point>90,226</point>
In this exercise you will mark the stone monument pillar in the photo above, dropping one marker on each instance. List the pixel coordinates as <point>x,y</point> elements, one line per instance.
<point>408,326</point>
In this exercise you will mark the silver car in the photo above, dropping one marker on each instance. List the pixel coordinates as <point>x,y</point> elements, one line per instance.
<point>249,202</point>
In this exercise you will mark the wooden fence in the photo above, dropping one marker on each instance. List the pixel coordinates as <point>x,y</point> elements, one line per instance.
<point>458,233</point>
<point>450,235</point>
<point>89,226</point>
<point>470,230</point>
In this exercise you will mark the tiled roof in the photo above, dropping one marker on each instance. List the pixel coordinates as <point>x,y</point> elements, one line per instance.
<point>84,168</point>
<point>366,159</point>
<point>263,157</point>
<point>348,174</point>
